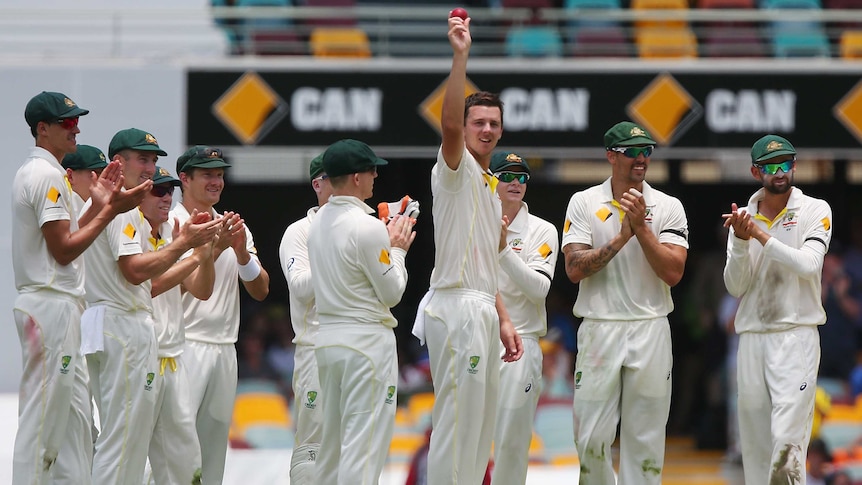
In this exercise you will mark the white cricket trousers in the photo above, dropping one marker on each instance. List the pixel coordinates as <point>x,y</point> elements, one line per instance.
<point>462,331</point>
<point>212,375</point>
<point>358,368</point>
<point>520,388</point>
<point>777,380</point>
<point>54,441</point>
<point>622,375</point>
<point>308,415</point>
<point>124,385</point>
<point>175,454</point>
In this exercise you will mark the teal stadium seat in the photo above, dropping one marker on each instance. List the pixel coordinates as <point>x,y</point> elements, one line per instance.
<point>259,386</point>
<point>534,41</point>
<point>801,42</point>
<point>554,424</point>
<point>840,434</point>
<point>269,437</point>
<point>592,5</point>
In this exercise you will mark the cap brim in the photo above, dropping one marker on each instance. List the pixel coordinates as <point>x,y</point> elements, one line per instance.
<point>149,148</point>
<point>509,165</point>
<point>380,161</point>
<point>776,153</point>
<point>76,111</point>
<point>218,163</point>
<point>172,181</point>
<point>96,166</point>
<point>640,140</point>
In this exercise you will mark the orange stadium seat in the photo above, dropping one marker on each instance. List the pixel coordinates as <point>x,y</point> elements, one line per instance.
<point>256,408</point>
<point>339,42</point>
<point>420,406</point>
<point>665,42</point>
<point>404,445</point>
<point>660,5</point>
<point>851,44</point>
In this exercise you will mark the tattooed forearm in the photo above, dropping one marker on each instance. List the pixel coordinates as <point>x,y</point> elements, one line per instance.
<point>583,261</point>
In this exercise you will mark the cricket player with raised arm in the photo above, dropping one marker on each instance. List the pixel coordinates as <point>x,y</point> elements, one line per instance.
<point>775,253</point>
<point>53,443</point>
<point>293,254</point>
<point>462,316</point>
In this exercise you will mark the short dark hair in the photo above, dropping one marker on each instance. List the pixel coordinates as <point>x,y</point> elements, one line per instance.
<point>483,98</point>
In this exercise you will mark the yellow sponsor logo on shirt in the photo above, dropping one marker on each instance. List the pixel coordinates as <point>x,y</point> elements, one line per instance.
<point>567,225</point>
<point>384,256</point>
<point>545,250</point>
<point>53,194</point>
<point>826,223</point>
<point>130,231</point>
<point>603,214</point>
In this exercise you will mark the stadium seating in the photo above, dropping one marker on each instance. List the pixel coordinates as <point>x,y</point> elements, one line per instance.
<point>420,407</point>
<point>801,42</point>
<point>346,20</point>
<point>554,425</point>
<point>608,41</point>
<point>658,42</point>
<point>592,5</point>
<point>260,408</point>
<point>732,41</point>
<point>840,434</point>
<point>660,4</point>
<point>534,41</point>
<point>267,436</point>
<point>339,42</point>
<point>851,44</point>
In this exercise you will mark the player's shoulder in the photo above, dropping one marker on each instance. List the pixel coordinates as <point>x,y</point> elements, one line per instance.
<point>541,224</point>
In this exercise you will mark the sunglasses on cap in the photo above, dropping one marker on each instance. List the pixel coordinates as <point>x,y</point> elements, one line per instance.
<point>509,177</point>
<point>633,152</point>
<point>208,152</point>
<point>772,168</point>
<point>67,123</point>
<point>161,190</point>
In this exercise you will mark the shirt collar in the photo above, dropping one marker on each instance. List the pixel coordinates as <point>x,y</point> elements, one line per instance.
<point>346,200</point>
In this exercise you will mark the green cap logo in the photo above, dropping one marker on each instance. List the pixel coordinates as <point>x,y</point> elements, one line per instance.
<point>312,395</point>
<point>150,377</point>
<point>66,360</point>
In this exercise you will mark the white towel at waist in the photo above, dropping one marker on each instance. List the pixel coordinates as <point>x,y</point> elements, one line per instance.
<point>419,323</point>
<point>92,330</point>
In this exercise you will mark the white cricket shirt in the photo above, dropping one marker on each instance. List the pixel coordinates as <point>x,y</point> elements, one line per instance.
<point>627,288</point>
<point>215,321</point>
<point>293,254</point>
<point>780,282</point>
<point>527,264</point>
<point>167,307</point>
<point>40,194</point>
<point>467,222</point>
<point>358,277</point>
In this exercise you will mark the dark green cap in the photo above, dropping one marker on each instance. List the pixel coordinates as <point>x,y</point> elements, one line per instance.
<point>316,168</point>
<point>162,176</point>
<point>134,139</point>
<point>627,134</point>
<point>502,160</point>
<point>47,106</point>
<point>349,156</point>
<point>770,146</point>
<point>201,156</point>
<point>86,157</point>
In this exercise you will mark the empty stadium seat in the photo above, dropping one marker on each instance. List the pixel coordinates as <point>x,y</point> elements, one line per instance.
<point>339,42</point>
<point>851,44</point>
<point>267,436</point>
<point>592,5</point>
<point>260,409</point>
<point>262,386</point>
<point>840,434</point>
<point>344,17</point>
<point>608,41</point>
<point>420,407</point>
<point>404,445</point>
<point>738,4</point>
<point>554,424</point>
<point>534,41</point>
<point>660,5</point>
<point>732,41</point>
<point>800,43</point>
<point>659,42</point>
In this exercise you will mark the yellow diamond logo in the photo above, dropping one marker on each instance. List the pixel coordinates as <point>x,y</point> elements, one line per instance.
<point>603,214</point>
<point>53,194</point>
<point>250,108</point>
<point>384,256</point>
<point>849,111</point>
<point>665,109</point>
<point>432,108</point>
<point>129,231</point>
<point>545,250</point>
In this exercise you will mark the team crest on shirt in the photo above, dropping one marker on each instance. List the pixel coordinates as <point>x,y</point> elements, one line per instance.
<point>648,214</point>
<point>64,364</point>
<point>790,221</point>
<point>390,393</point>
<point>311,396</point>
<point>53,194</point>
<point>578,380</point>
<point>517,244</point>
<point>474,362</point>
<point>149,385</point>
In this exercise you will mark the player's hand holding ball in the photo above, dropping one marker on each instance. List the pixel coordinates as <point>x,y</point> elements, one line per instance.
<point>458,12</point>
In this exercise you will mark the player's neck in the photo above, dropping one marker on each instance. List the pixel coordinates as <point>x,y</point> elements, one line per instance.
<point>511,210</point>
<point>192,204</point>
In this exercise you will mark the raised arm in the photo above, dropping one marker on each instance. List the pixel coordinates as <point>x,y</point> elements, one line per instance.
<point>452,119</point>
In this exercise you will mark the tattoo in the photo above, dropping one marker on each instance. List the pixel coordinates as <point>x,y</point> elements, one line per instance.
<point>583,259</point>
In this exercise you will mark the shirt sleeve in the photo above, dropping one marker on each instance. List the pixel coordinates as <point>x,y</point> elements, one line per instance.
<point>533,274</point>
<point>737,266</point>
<point>383,265</point>
<point>675,229</point>
<point>124,234</point>
<point>293,254</point>
<point>452,180</point>
<point>49,198</point>
<point>576,228</point>
<point>806,261</point>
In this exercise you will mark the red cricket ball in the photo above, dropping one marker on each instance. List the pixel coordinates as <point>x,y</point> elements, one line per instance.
<point>458,12</point>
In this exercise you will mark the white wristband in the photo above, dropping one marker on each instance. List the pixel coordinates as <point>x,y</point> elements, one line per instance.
<point>249,271</point>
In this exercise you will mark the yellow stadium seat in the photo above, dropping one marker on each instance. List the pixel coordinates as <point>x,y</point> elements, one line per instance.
<point>420,406</point>
<point>403,419</point>
<point>339,42</point>
<point>257,408</point>
<point>666,43</point>
<point>851,44</point>
<point>404,445</point>
<point>660,5</point>
<point>537,449</point>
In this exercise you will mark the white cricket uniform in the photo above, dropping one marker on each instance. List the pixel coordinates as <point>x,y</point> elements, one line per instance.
<point>462,328</point>
<point>623,368</point>
<point>53,443</point>
<point>212,327</point>
<point>174,453</point>
<point>527,263</point>
<point>122,352</point>
<point>779,345</point>
<point>293,254</point>
<point>358,277</point>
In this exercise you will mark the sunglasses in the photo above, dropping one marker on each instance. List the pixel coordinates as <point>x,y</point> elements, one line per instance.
<point>772,168</point>
<point>67,123</point>
<point>161,190</point>
<point>633,152</point>
<point>208,152</point>
<point>509,177</point>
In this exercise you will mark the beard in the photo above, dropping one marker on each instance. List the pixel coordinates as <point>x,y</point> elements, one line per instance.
<point>773,189</point>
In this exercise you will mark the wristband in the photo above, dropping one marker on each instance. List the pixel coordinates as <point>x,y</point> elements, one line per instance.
<point>249,271</point>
